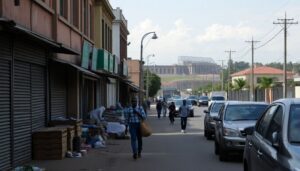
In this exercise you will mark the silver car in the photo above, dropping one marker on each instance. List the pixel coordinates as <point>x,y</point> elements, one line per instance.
<point>209,123</point>
<point>274,142</point>
<point>233,118</point>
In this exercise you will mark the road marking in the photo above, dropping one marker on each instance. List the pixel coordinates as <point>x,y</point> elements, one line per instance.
<point>176,133</point>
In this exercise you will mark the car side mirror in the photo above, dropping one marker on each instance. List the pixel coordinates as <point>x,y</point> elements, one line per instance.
<point>249,130</point>
<point>216,118</point>
<point>275,140</point>
<point>206,111</point>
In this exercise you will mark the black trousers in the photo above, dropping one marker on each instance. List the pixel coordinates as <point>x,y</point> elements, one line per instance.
<point>183,123</point>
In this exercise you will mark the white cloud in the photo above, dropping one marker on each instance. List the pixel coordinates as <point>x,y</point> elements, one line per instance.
<point>218,32</point>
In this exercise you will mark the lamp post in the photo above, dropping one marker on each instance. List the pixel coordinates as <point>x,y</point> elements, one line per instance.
<point>141,65</point>
<point>147,76</point>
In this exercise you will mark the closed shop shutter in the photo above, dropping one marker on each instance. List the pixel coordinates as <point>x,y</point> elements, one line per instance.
<point>38,107</point>
<point>58,83</point>
<point>22,113</point>
<point>5,127</point>
<point>29,52</point>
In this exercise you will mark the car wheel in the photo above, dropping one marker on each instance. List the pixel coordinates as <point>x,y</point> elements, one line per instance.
<point>216,148</point>
<point>222,154</point>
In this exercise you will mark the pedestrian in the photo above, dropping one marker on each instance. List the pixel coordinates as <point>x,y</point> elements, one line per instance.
<point>148,104</point>
<point>172,110</point>
<point>164,106</point>
<point>158,108</point>
<point>184,111</point>
<point>134,115</point>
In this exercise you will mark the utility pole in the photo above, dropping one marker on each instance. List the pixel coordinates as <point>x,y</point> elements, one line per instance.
<point>229,71</point>
<point>252,94</point>
<point>222,74</point>
<point>285,22</point>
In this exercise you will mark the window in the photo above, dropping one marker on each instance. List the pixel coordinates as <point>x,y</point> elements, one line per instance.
<point>91,21</point>
<point>265,120</point>
<point>74,18</point>
<point>103,40</point>
<point>244,112</point>
<point>63,8</point>
<point>294,124</point>
<point>275,124</point>
<point>85,17</point>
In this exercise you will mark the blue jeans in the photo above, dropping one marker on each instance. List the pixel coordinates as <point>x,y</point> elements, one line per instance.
<point>183,122</point>
<point>136,137</point>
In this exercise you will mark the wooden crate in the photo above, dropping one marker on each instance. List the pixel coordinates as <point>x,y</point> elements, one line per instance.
<point>76,123</point>
<point>49,143</point>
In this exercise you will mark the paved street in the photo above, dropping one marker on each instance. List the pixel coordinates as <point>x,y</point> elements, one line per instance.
<point>166,149</point>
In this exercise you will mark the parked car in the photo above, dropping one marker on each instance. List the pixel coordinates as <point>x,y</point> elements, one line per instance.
<point>231,122</point>
<point>274,142</point>
<point>203,101</point>
<point>194,99</point>
<point>216,98</point>
<point>209,123</point>
<point>178,103</point>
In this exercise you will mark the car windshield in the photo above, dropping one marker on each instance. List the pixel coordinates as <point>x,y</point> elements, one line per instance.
<point>203,98</point>
<point>217,98</point>
<point>178,102</point>
<point>216,107</point>
<point>192,97</point>
<point>176,97</point>
<point>244,112</point>
<point>294,124</point>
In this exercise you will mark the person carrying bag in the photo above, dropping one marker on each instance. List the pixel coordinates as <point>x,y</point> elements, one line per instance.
<point>135,117</point>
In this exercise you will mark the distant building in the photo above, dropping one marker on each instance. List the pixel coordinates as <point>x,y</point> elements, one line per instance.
<point>134,71</point>
<point>188,66</point>
<point>259,72</point>
<point>189,73</point>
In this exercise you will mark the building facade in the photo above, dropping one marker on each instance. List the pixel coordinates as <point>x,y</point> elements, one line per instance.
<point>61,68</point>
<point>259,72</point>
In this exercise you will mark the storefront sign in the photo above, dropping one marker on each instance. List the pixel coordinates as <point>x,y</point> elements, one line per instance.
<point>86,52</point>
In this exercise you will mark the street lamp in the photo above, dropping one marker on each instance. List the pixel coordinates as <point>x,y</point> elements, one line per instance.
<point>154,36</point>
<point>147,79</point>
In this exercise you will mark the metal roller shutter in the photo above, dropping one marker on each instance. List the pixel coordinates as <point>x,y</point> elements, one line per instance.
<point>29,52</point>
<point>58,83</point>
<point>22,113</point>
<point>38,107</point>
<point>5,126</point>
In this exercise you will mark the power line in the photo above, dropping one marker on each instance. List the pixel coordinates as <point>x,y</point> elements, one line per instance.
<point>269,40</point>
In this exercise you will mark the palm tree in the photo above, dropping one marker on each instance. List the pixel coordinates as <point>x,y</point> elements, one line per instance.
<point>239,84</point>
<point>266,83</point>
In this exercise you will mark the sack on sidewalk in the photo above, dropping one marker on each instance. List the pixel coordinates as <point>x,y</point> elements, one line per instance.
<point>145,129</point>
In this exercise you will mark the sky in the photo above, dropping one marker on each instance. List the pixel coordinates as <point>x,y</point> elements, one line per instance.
<point>208,28</point>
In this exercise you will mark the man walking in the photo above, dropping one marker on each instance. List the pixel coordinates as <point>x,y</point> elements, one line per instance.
<point>134,115</point>
<point>158,108</point>
<point>172,109</point>
<point>184,111</point>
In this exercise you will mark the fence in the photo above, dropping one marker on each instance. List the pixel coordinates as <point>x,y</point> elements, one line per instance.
<point>277,93</point>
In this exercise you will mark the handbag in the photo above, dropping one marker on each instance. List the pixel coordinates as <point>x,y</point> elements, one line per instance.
<point>145,129</point>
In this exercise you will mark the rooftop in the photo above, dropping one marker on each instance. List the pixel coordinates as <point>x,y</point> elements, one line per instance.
<point>261,70</point>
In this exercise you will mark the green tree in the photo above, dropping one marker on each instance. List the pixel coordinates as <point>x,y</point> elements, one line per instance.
<point>154,83</point>
<point>239,84</point>
<point>266,83</point>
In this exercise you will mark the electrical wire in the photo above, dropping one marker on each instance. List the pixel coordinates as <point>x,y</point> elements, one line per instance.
<point>270,39</point>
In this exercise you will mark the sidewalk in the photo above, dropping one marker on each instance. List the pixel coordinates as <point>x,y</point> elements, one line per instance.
<point>96,160</point>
